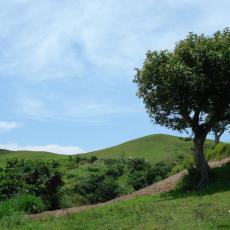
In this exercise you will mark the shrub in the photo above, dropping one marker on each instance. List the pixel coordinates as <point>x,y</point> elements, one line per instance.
<point>29,203</point>
<point>97,188</point>
<point>142,174</point>
<point>137,180</point>
<point>160,170</point>
<point>109,162</point>
<point>115,170</point>
<point>137,164</point>
<point>35,177</point>
<point>92,159</point>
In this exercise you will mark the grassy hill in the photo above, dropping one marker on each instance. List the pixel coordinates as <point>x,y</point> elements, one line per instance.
<point>153,148</point>
<point>33,155</point>
<point>203,210</point>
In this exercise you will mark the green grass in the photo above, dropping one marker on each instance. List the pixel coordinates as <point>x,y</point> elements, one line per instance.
<point>205,210</point>
<point>32,155</point>
<point>153,148</point>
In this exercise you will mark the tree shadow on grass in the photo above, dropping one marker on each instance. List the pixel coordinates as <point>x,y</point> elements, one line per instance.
<point>220,183</point>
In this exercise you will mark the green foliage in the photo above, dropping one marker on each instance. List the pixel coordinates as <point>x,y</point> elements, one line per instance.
<point>69,200</point>
<point>137,164</point>
<point>142,174</point>
<point>218,152</point>
<point>183,87</point>
<point>160,170</point>
<point>92,159</point>
<point>168,80</point>
<point>138,179</point>
<point>26,203</point>
<point>29,203</point>
<point>97,188</point>
<point>36,177</point>
<point>201,210</point>
<point>115,170</point>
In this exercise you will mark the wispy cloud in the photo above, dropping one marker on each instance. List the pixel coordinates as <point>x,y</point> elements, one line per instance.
<point>100,34</point>
<point>84,111</point>
<point>7,126</point>
<point>68,150</point>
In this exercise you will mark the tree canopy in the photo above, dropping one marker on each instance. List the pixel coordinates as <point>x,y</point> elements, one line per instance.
<point>183,87</point>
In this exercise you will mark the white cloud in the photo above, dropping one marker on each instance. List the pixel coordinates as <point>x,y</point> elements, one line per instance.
<point>84,111</point>
<point>109,36</point>
<point>68,150</point>
<point>7,126</point>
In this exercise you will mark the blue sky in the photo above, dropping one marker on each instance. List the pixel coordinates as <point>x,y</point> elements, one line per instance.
<point>66,67</point>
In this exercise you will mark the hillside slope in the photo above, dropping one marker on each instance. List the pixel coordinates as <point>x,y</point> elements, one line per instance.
<point>32,155</point>
<point>205,209</point>
<point>153,148</point>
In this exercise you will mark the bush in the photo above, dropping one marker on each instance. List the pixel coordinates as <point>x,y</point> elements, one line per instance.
<point>160,170</point>
<point>137,164</point>
<point>142,174</point>
<point>97,188</point>
<point>29,204</point>
<point>92,159</point>
<point>138,180</point>
<point>115,170</point>
<point>34,177</point>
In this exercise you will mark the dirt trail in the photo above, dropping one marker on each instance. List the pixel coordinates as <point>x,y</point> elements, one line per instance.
<point>165,185</point>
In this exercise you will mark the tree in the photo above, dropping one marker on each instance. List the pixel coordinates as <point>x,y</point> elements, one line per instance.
<point>219,128</point>
<point>181,88</point>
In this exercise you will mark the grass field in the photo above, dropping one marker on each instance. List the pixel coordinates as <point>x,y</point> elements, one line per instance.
<point>204,210</point>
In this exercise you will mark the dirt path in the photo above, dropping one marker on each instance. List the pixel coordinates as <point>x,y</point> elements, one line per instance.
<point>165,185</point>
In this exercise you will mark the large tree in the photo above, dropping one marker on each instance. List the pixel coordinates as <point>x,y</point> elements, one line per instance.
<point>182,87</point>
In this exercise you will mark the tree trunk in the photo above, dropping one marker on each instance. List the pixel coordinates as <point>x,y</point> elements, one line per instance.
<point>217,136</point>
<point>217,139</point>
<point>202,166</point>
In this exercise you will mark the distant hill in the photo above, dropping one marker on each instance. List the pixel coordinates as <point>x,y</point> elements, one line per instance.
<point>153,148</point>
<point>33,155</point>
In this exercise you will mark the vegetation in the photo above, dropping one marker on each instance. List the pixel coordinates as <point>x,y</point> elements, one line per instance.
<point>33,186</point>
<point>31,177</point>
<point>204,209</point>
<point>97,188</point>
<point>189,88</point>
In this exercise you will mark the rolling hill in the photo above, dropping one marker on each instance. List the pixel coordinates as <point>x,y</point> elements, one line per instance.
<point>153,148</point>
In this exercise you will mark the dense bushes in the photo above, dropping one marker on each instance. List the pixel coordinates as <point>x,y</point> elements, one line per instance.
<point>142,174</point>
<point>31,177</point>
<point>97,188</point>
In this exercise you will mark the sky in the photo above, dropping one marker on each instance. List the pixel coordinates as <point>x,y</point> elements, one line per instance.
<point>66,67</point>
